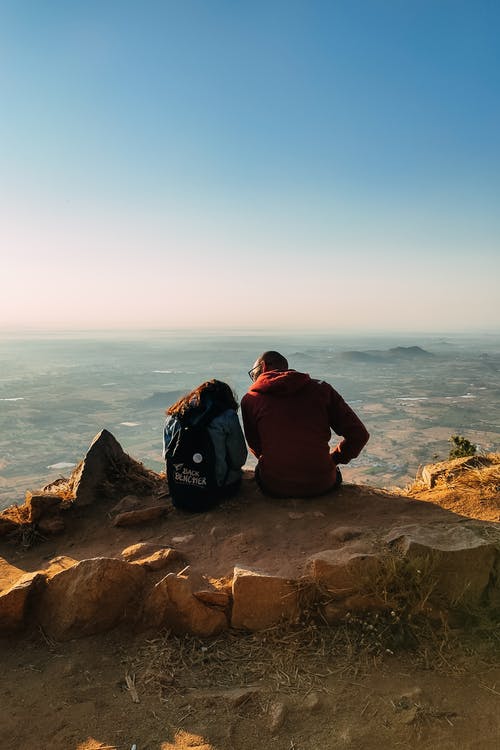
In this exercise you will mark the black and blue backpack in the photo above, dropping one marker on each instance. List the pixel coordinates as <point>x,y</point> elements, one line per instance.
<point>190,459</point>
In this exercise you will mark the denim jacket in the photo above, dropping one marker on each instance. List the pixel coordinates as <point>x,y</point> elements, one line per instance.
<point>229,443</point>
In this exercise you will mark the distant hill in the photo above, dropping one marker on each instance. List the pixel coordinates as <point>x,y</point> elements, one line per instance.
<point>409,352</point>
<point>389,355</point>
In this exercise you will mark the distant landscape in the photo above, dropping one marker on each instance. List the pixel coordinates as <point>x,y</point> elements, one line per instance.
<point>413,393</point>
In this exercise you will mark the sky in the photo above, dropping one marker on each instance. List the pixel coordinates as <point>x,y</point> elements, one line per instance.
<point>205,163</point>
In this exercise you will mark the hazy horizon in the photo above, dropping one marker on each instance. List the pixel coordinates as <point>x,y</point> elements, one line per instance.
<point>58,390</point>
<point>249,330</point>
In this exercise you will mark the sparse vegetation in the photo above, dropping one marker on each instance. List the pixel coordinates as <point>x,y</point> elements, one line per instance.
<point>461,447</point>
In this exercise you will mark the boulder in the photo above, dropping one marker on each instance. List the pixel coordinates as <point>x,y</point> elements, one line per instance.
<point>172,604</point>
<point>87,479</point>
<point>261,601</point>
<point>90,597</point>
<point>461,562</point>
<point>152,556</point>
<point>343,571</point>
<point>14,600</point>
<point>106,471</point>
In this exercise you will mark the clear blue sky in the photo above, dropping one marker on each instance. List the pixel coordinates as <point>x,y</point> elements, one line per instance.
<point>330,165</point>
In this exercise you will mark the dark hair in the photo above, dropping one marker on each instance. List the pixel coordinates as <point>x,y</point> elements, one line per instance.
<point>215,393</point>
<point>274,360</point>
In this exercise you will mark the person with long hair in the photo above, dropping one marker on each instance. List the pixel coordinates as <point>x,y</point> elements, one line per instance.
<point>212,405</point>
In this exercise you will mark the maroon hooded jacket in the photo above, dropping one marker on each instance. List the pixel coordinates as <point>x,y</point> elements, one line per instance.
<point>288,417</point>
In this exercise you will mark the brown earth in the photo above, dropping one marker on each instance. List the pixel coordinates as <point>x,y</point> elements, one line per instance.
<point>309,687</point>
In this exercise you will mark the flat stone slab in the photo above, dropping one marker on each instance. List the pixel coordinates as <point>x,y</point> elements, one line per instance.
<point>261,601</point>
<point>343,571</point>
<point>461,561</point>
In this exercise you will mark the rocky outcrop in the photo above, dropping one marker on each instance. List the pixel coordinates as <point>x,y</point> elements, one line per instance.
<point>106,471</point>
<point>440,566</point>
<point>89,597</point>
<point>442,563</point>
<point>447,471</point>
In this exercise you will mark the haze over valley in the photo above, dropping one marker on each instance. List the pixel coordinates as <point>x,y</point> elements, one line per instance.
<point>412,392</point>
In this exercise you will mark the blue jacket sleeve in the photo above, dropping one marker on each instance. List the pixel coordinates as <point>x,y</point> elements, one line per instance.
<point>236,449</point>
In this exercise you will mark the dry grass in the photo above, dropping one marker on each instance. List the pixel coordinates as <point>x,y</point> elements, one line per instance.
<point>290,661</point>
<point>307,657</point>
<point>24,533</point>
<point>485,479</point>
<point>481,475</point>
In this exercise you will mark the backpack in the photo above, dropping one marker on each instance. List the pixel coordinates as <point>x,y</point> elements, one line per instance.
<point>191,466</point>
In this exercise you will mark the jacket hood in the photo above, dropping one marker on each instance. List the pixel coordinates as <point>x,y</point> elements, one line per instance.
<point>280,382</point>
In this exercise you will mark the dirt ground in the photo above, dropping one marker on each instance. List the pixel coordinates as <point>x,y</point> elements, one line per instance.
<point>302,689</point>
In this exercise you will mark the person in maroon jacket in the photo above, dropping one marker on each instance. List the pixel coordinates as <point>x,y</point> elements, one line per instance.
<point>287,419</point>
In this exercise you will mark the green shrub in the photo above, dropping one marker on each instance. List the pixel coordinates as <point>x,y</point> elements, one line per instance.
<point>461,447</point>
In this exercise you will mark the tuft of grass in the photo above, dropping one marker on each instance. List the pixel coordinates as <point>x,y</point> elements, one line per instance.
<point>461,447</point>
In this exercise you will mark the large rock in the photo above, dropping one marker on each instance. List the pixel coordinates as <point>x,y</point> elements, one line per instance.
<point>460,561</point>
<point>89,597</point>
<point>14,602</point>
<point>343,571</point>
<point>88,478</point>
<point>261,601</point>
<point>106,471</point>
<point>173,605</point>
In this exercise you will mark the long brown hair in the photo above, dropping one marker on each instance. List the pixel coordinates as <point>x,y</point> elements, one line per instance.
<point>212,392</point>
